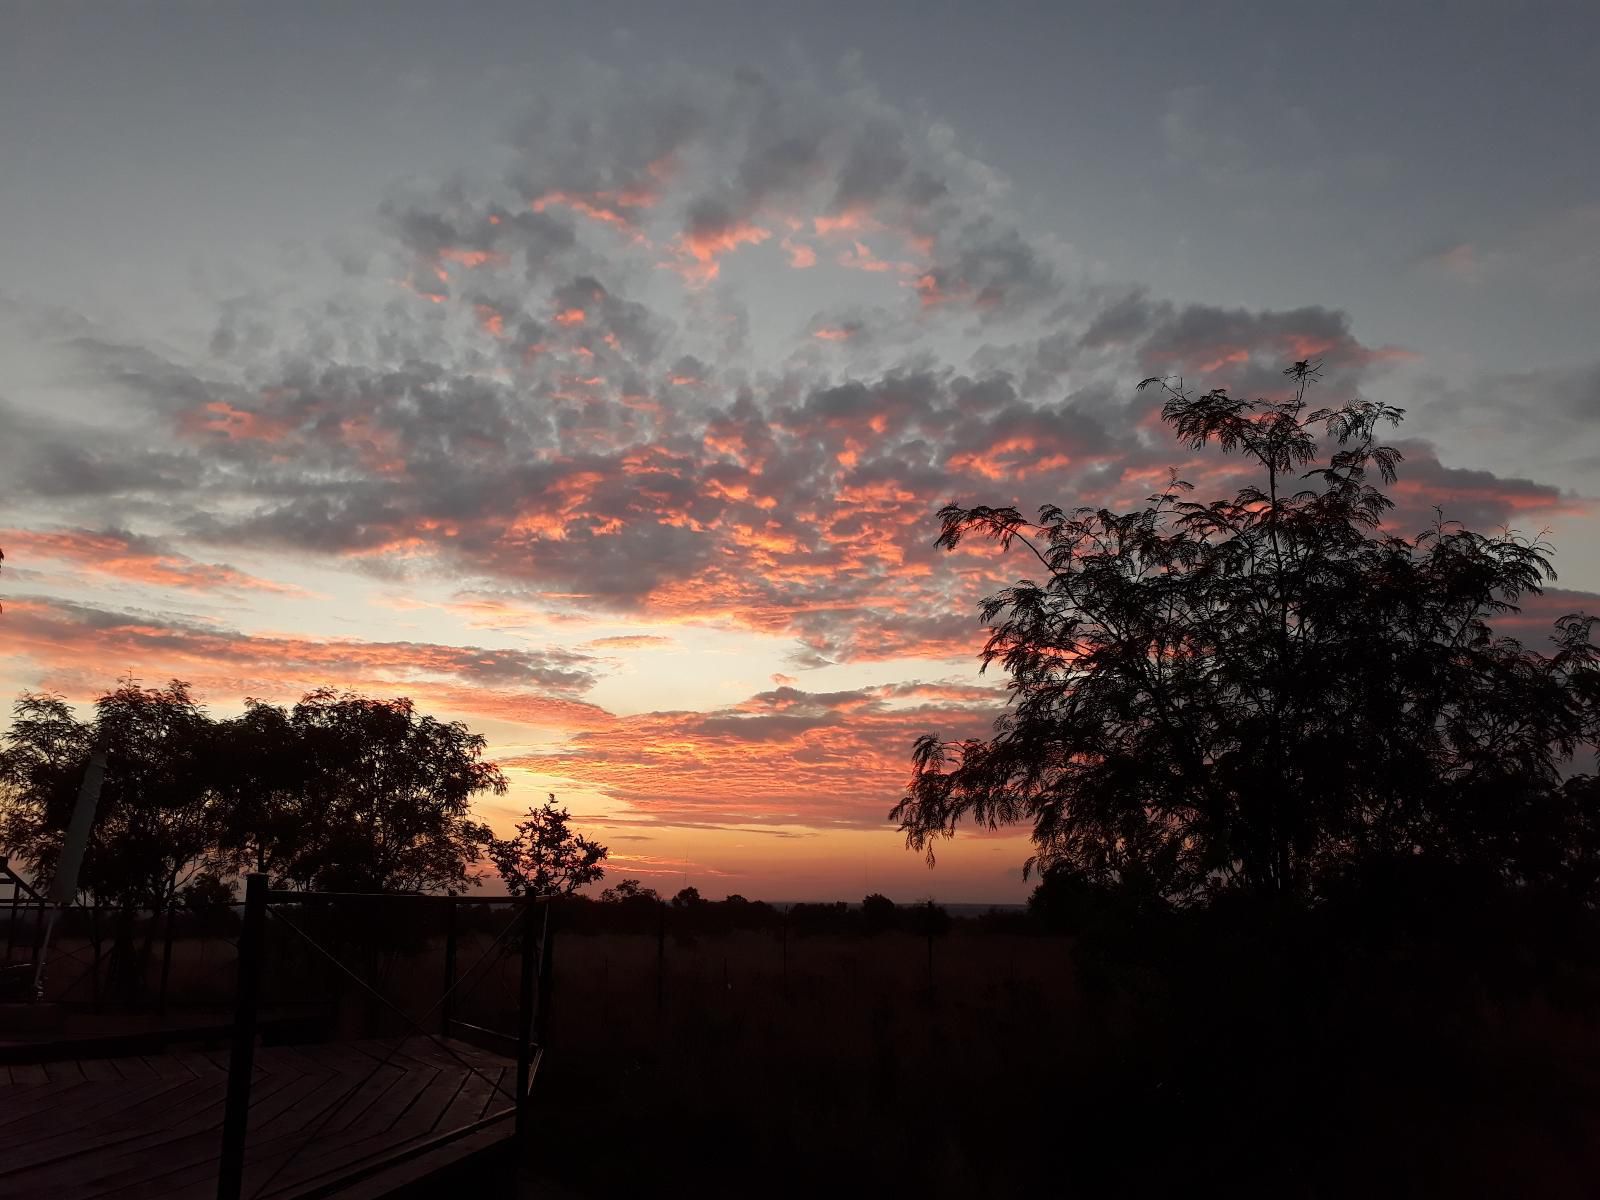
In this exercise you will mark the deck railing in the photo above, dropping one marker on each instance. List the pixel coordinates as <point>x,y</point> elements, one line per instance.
<point>530,925</point>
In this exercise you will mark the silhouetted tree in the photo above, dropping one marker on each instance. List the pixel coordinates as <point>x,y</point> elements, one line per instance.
<point>386,796</point>
<point>878,912</point>
<point>264,779</point>
<point>547,857</point>
<point>629,890</point>
<point>687,898</point>
<point>41,766</point>
<point>156,823</point>
<point>1260,693</point>
<point>342,791</point>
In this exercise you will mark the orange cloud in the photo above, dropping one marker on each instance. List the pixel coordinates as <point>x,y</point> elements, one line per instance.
<point>134,560</point>
<point>81,649</point>
<point>219,418</point>
<point>801,256</point>
<point>630,641</point>
<point>471,258</point>
<point>832,759</point>
<point>704,247</point>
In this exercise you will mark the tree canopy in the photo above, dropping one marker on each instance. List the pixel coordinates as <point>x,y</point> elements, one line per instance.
<point>547,857</point>
<point>340,791</point>
<point>1267,692</point>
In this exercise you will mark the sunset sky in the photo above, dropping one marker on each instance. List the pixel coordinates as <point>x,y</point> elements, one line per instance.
<point>592,373</point>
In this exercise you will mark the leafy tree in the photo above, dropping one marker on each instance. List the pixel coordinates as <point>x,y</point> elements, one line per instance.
<point>1265,693</point>
<point>629,890</point>
<point>687,897</point>
<point>386,797</point>
<point>264,780</point>
<point>878,912</point>
<point>155,825</point>
<point>41,766</point>
<point>546,857</point>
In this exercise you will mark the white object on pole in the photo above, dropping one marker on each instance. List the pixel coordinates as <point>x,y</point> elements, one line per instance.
<point>64,887</point>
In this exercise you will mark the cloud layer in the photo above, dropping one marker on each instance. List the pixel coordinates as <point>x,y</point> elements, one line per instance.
<point>704,354</point>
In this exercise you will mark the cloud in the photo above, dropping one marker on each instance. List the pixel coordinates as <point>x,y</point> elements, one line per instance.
<point>829,759</point>
<point>523,398</point>
<point>79,647</point>
<point>1558,252</point>
<point>630,641</point>
<point>134,559</point>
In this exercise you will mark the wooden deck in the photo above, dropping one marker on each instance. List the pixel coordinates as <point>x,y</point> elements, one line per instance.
<point>331,1119</point>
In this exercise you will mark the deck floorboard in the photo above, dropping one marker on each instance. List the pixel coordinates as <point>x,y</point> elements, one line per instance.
<point>151,1125</point>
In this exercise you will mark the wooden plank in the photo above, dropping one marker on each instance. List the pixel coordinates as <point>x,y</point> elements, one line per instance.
<point>471,1101</point>
<point>380,1171</point>
<point>145,1121</point>
<point>494,1099</point>
<point>153,1151</point>
<point>44,1103</point>
<point>98,1068</point>
<point>339,1155</point>
<point>384,1116</point>
<point>67,1071</point>
<point>282,1136</point>
<point>191,1168</point>
<point>149,1126</point>
<point>166,1065</point>
<point>198,1065</point>
<point>132,1066</point>
<point>297,1058</point>
<point>98,1111</point>
<point>412,1170</point>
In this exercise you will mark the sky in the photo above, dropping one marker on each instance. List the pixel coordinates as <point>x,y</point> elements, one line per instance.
<point>593,373</point>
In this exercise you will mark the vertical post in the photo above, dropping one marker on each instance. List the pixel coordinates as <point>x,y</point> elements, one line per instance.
<point>547,960</point>
<point>166,960</point>
<point>661,961</point>
<point>447,1005</point>
<point>11,920</point>
<point>241,1059</point>
<point>94,936</point>
<point>529,965</point>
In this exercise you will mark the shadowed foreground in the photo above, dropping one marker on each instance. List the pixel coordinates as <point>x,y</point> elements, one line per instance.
<point>344,1119</point>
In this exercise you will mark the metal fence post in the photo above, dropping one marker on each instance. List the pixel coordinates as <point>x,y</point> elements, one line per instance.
<point>241,1060</point>
<point>529,965</point>
<point>661,962</point>
<point>547,950</point>
<point>166,959</point>
<point>447,1005</point>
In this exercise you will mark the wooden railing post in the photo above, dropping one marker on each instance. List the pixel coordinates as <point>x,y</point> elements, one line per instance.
<point>531,952</point>
<point>241,1060</point>
<point>447,1005</point>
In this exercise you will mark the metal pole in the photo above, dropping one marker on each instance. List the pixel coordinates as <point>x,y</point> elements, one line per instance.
<point>448,1004</point>
<point>661,959</point>
<point>241,1060</point>
<point>94,934</point>
<point>547,950</point>
<point>529,965</point>
<point>11,921</point>
<point>166,960</point>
